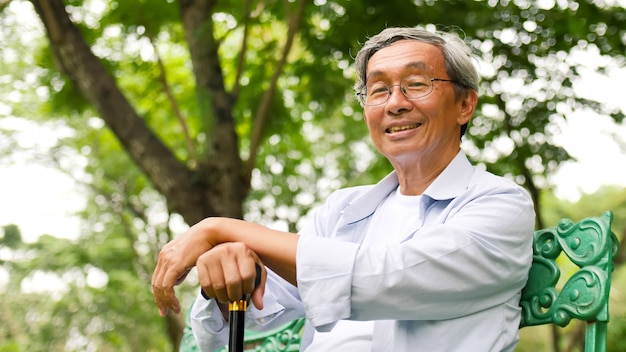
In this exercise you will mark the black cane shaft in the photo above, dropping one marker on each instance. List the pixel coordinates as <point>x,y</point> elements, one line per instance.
<point>236,316</point>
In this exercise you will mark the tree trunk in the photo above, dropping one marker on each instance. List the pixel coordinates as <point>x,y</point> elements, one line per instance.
<point>216,109</point>
<point>215,187</point>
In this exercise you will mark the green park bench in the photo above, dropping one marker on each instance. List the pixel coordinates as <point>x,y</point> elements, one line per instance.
<point>589,245</point>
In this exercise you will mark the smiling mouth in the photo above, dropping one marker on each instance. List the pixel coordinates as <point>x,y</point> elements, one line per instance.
<point>402,128</point>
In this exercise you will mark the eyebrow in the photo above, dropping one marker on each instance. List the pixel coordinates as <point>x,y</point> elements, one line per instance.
<point>417,65</point>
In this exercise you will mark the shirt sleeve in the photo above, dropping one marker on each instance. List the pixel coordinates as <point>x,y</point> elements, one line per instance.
<point>208,326</point>
<point>281,303</point>
<point>474,256</point>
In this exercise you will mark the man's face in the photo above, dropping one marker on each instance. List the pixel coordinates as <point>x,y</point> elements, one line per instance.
<point>422,129</point>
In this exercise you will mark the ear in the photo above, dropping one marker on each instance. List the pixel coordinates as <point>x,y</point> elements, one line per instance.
<point>467,106</point>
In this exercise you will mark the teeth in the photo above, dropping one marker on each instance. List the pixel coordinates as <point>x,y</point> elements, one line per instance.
<point>403,128</point>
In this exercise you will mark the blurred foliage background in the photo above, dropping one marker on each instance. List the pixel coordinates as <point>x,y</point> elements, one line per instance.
<point>164,112</point>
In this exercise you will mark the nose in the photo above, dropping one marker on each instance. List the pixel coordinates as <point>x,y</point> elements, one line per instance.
<point>398,102</point>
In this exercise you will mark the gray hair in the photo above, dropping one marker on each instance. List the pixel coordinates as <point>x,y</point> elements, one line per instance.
<point>457,56</point>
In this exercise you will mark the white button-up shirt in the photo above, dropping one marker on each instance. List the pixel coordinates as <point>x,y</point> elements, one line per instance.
<point>451,284</point>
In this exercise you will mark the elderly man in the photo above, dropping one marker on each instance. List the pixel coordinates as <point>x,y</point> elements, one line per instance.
<point>431,258</point>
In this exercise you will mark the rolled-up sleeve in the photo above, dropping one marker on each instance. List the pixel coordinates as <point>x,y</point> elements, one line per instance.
<point>208,326</point>
<point>325,271</point>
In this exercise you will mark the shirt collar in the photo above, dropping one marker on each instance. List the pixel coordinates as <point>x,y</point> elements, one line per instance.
<point>453,180</point>
<point>365,205</point>
<point>449,184</point>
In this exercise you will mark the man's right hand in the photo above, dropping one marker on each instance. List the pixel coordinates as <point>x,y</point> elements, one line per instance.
<point>227,272</point>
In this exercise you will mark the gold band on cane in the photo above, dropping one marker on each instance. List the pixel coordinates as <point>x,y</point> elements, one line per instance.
<point>239,305</point>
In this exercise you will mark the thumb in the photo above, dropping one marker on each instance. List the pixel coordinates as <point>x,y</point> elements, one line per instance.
<point>259,286</point>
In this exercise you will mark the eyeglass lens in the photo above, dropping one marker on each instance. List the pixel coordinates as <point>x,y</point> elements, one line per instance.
<point>413,87</point>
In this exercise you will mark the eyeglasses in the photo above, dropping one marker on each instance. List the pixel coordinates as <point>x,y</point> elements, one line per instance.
<point>413,87</point>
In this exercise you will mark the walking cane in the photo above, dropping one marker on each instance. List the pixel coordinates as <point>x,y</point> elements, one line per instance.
<point>236,317</point>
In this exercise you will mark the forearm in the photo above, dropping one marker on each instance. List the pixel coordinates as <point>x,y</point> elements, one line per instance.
<point>277,249</point>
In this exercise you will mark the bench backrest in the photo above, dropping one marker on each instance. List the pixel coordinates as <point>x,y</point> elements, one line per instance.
<point>589,244</point>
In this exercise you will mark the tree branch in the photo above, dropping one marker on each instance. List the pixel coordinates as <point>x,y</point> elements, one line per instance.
<point>75,59</point>
<point>223,167</point>
<point>175,108</point>
<point>242,53</point>
<point>262,114</point>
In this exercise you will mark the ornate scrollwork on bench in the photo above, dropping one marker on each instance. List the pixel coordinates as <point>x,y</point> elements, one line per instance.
<point>591,245</point>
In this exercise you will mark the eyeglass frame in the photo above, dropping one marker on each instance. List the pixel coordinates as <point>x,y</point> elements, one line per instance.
<point>362,95</point>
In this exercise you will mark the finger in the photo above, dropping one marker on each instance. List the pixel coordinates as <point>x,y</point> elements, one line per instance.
<point>182,277</point>
<point>211,276</point>
<point>254,277</point>
<point>217,282</point>
<point>259,290</point>
<point>156,290</point>
<point>165,298</point>
<point>170,303</point>
<point>204,279</point>
<point>233,279</point>
<point>248,271</point>
<point>163,281</point>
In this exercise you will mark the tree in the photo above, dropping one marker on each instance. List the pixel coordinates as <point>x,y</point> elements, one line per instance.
<point>205,108</point>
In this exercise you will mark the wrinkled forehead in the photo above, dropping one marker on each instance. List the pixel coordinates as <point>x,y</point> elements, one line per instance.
<point>412,67</point>
<point>406,56</point>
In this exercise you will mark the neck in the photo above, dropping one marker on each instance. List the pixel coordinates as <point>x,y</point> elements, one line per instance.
<point>416,176</point>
